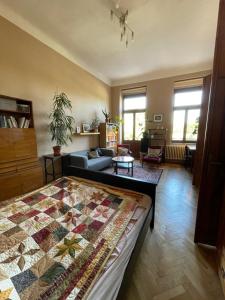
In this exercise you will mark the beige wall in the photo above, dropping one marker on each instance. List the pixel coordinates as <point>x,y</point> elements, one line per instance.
<point>31,70</point>
<point>160,98</point>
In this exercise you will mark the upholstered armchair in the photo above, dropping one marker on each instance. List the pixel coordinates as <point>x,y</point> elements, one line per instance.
<point>154,155</point>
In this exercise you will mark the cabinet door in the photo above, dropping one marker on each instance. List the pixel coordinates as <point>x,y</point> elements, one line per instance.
<point>6,145</point>
<point>9,187</point>
<point>24,143</point>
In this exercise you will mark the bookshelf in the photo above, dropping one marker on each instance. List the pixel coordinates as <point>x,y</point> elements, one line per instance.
<point>20,169</point>
<point>15,113</point>
<point>108,135</point>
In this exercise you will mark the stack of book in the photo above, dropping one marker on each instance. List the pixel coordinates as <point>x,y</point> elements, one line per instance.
<point>11,122</point>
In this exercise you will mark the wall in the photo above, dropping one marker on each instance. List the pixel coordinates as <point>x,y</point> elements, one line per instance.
<point>160,97</point>
<point>31,70</point>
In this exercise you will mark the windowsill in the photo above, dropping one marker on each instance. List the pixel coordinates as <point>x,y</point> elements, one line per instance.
<point>184,142</point>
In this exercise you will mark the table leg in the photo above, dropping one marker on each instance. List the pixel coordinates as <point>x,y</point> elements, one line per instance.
<point>116,169</point>
<point>132,168</point>
<point>45,170</point>
<point>53,169</point>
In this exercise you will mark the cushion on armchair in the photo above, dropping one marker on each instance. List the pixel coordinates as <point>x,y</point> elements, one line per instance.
<point>122,151</point>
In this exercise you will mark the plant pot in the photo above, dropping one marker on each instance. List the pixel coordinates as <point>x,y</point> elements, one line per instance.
<point>56,150</point>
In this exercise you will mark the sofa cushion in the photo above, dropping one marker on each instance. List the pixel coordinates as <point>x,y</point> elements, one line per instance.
<point>99,163</point>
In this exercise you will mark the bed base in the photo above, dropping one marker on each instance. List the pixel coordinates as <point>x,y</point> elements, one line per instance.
<point>127,183</point>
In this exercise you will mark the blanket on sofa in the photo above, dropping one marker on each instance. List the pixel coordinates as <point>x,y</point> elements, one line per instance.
<point>55,241</point>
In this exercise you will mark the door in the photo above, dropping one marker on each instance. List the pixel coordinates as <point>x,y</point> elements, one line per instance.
<point>213,169</point>
<point>201,131</point>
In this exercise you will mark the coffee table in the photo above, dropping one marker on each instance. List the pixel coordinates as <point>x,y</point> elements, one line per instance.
<point>123,162</point>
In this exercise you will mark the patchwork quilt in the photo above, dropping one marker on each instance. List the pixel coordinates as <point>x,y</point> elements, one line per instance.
<point>55,241</point>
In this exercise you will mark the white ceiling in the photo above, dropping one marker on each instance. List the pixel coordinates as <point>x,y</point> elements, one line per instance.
<point>172,37</point>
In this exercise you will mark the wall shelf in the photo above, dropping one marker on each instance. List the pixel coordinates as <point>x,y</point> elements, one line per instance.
<point>87,133</point>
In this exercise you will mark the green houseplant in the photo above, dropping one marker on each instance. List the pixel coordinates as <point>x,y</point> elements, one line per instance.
<point>61,125</point>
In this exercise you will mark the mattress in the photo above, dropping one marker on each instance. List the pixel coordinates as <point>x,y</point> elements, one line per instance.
<point>67,238</point>
<point>109,282</point>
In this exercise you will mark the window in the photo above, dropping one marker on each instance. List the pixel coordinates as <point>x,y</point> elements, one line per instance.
<point>134,107</point>
<point>186,113</point>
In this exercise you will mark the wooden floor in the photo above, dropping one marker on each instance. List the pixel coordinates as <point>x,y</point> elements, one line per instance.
<point>170,265</point>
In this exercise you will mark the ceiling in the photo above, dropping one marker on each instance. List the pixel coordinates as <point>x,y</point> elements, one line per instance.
<point>172,37</point>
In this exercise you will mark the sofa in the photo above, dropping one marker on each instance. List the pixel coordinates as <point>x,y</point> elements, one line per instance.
<point>80,159</point>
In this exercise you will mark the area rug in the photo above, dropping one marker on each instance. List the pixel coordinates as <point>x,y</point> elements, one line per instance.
<point>147,173</point>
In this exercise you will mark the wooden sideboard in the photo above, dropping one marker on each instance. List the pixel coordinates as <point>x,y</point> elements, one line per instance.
<point>20,169</point>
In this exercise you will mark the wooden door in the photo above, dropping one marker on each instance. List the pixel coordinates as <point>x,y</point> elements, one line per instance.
<point>201,131</point>
<point>221,245</point>
<point>213,170</point>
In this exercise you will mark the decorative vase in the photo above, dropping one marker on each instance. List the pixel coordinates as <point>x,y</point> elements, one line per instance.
<point>57,150</point>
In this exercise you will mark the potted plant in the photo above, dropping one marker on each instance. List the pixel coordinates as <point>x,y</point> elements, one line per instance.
<point>106,115</point>
<point>61,125</point>
<point>95,124</point>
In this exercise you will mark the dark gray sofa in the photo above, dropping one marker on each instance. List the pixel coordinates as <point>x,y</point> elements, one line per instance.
<point>80,159</point>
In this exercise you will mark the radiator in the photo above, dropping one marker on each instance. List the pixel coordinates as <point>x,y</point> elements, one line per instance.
<point>175,152</point>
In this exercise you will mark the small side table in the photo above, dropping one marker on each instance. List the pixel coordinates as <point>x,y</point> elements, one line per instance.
<point>53,159</point>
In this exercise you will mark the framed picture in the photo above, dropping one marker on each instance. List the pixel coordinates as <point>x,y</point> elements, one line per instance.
<point>78,129</point>
<point>157,118</point>
<point>86,127</point>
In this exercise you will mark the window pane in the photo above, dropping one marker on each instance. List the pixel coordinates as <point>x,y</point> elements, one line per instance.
<point>192,124</point>
<point>178,125</point>
<point>139,125</point>
<point>188,98</point>
<point>136,102</point>
<point>128,126</point>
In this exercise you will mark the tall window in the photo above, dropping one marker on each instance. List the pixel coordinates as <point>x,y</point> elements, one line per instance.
<point>186,113</point>
<point>134,107</point>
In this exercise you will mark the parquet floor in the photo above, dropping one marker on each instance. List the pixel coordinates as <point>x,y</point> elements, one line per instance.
<point>170,265</point>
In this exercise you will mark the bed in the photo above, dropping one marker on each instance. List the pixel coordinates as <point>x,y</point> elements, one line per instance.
<point>66,239</point>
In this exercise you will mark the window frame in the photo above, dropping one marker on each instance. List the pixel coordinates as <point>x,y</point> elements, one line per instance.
<point>133,111</point>
<point>186,108</point>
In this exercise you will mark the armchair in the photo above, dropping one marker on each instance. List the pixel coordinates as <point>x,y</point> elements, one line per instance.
<point>154,155</point>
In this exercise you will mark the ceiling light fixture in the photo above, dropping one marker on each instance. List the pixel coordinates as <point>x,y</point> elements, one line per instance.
<point>126,32</point>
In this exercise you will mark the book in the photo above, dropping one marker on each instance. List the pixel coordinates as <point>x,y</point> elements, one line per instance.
<point>10,125</point>
<point>14,122</point>
<point>3,121</point>
<point>27,123</point>
<point>21,122</point>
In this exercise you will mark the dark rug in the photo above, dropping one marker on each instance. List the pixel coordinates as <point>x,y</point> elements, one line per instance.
<point>147,173</point>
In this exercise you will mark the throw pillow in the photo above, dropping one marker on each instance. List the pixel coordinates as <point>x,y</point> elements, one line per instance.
<point>152,152</point>
<point>93,154</point>
<point>97,149</point>
<point>122,151</point>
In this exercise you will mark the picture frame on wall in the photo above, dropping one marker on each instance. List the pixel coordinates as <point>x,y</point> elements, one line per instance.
<point>158,118</point>
<point>86,127</point>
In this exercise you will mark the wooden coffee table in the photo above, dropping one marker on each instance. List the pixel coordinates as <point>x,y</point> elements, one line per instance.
<point>123,162</point>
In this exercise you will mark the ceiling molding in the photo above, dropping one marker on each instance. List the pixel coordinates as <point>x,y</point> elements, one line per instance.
<point>163,74</point>
<point>26,26</point>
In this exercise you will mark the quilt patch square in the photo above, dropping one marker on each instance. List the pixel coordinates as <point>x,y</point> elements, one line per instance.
<point>102,213</point>
<point>34,199</point>
<point>68,249</point>
<point>50,190</point>
<point>23,280</point>
<point>21,257</point>
<point>7,290</point>
<point>36,223</point>
<point>5,224</point>
<point>62,194</point>
<point>44,204</point>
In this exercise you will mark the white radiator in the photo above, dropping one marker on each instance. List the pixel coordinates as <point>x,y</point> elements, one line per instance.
<point>175,152</point>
